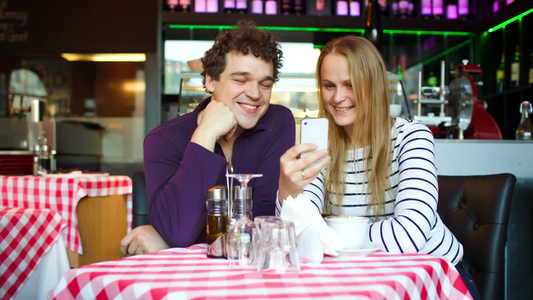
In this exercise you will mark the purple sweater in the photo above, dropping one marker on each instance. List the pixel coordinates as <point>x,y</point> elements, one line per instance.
<point>179,172</point>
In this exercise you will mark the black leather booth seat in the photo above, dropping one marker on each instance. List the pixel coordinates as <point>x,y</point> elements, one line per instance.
<point>476,209</point>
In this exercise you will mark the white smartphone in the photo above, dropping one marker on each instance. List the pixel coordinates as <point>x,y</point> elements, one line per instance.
<point>314,131</point>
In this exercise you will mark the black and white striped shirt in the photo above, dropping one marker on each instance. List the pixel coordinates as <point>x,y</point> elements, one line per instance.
<point>410,223</point>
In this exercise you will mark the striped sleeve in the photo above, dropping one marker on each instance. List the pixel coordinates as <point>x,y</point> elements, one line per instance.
<point>416,200</point>
<point>314,190</point>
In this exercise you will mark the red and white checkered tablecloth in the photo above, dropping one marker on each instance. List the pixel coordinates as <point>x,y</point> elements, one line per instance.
<point>186,273</point>
<point>25,236</point>
<point>62,194</point>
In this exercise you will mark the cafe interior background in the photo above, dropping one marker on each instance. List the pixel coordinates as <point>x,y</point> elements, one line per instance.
<point>97,109</point>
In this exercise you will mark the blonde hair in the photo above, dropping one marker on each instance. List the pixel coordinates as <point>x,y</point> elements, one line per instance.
<point>372,124</point>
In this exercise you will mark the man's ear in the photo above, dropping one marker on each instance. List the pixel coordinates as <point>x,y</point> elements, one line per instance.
<point>209,83</point>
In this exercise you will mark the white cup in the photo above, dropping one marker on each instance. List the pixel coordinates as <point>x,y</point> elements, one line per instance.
<point>353,230</point>
<point>395,110</point>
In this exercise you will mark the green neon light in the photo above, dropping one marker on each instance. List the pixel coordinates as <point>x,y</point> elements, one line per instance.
<point>445,52</point>
<point>271,28</point>
<point>427,32</point>
<point>511,20</point>
<point>317,29</point>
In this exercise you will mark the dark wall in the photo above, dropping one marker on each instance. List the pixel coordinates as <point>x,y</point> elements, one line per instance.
<point>36,26</point>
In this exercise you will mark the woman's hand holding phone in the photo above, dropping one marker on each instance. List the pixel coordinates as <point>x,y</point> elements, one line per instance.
<point>302,163</point>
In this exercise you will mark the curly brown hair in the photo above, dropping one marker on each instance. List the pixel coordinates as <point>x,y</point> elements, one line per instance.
<point>246,38</point>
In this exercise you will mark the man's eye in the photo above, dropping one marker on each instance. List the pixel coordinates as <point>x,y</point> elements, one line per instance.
<point>266,85</point>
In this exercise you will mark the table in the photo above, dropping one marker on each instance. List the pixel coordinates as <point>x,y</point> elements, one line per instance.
<point>27,236</point>
<point>185,273</point>
<point>100,205</point>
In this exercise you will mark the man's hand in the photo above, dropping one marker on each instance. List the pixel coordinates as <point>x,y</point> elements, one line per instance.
<point>217,121</point>
<point>142,239</point>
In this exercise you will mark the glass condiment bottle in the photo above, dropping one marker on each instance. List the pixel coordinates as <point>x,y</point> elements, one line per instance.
<point>525,128</point>
<point>243,237</point>
<point>217,222</point>
<point>44,154</point>
<point>36,160</point>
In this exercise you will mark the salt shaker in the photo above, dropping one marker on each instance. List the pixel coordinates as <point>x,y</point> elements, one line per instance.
<point>217,222</point>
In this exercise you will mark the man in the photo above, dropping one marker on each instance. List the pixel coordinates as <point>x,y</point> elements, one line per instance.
<point>186,156</point>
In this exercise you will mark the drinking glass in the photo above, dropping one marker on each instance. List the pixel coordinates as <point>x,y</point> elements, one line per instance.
<point>243,237</point>
<point>278,247</point>
<point>243,179</point>
<point>259,221</point>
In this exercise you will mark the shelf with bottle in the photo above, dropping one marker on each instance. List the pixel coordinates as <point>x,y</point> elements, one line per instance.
<point>317,22</point>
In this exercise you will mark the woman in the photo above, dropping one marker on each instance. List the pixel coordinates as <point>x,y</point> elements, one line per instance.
<point>380,167</point>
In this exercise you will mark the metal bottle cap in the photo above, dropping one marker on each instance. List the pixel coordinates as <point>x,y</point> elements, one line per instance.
<point>242,192</point>
<point>216,193</point>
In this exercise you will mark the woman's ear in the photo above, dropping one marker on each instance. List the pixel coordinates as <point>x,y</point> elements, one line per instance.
<point>209,83</point>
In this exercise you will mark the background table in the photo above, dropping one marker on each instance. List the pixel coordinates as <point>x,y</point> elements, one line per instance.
<point>185,273</point>
<point>101,206</point>
<point>26,237</point>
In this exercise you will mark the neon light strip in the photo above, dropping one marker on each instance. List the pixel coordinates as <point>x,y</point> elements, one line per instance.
<point>317,29</point>
<point>420,32</point>
<point>503,24</point>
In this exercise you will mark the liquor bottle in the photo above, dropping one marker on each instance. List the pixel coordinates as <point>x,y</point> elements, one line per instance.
<point>403,8</point>
<point>342,8</point>
<point>411,8</point>
<point>212,6</point>
<point>217,222</point>
<point>531,69</point>
<point>495,6</point>
<point>451,10</point>
<point>200,6</point>
<point>257,6</point>
<point>394,8</point>
<point>425,8</point>
<point>172,5</point>
<point>299,7</point>
<point>241,5</point>
<point>384,7</point>
<point>515,68</point>
<point>271,7</point>
<point>500,74</point>
<point>438,9</point>
<point>373,26</point>
<point>229,5</point>
<point>463,8</point>
<point>185,5</point>
<point>355,8</point>
<point>525,128</point>
<point>286,7</point>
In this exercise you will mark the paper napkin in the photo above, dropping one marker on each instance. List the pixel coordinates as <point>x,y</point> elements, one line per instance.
<point>314,237</point>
